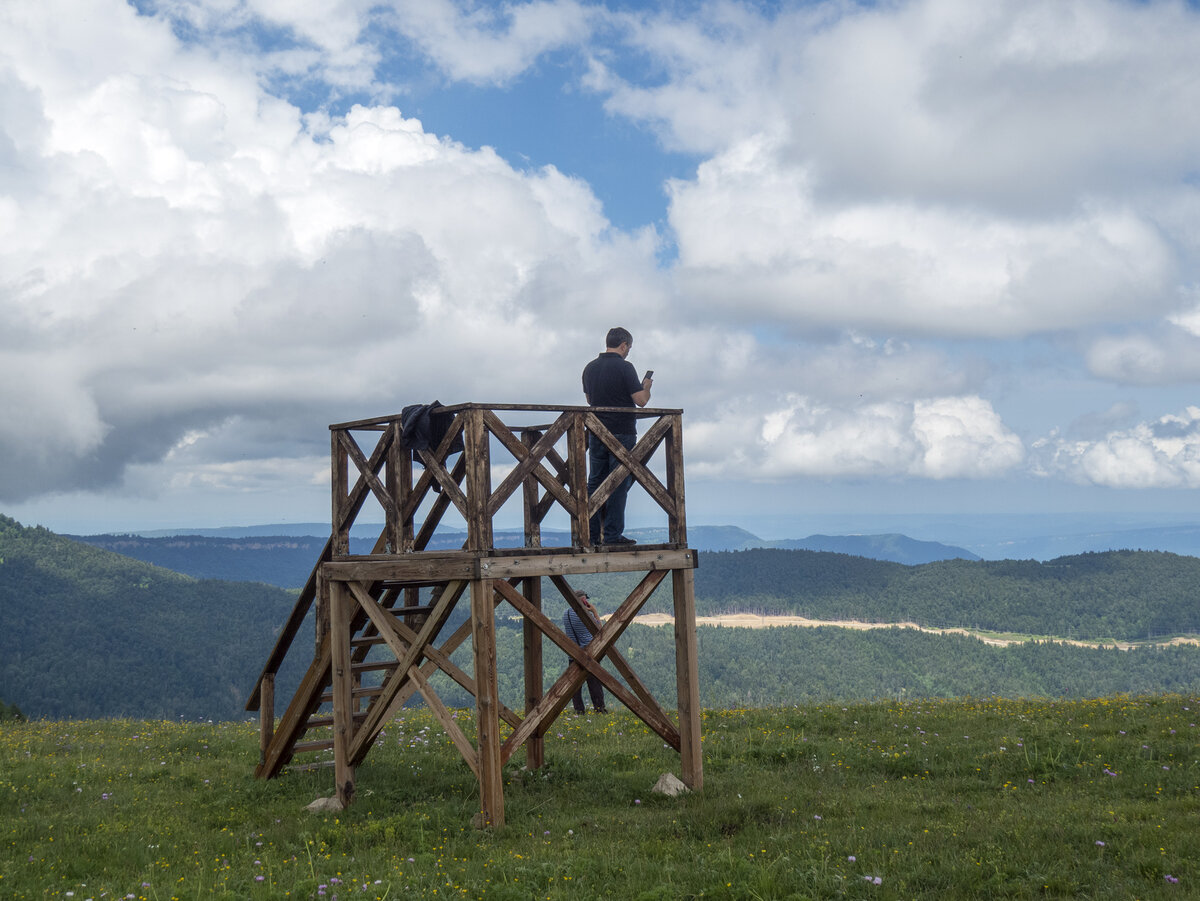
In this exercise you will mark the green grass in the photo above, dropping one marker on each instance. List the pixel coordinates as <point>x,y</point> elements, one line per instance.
<point>934,799</point>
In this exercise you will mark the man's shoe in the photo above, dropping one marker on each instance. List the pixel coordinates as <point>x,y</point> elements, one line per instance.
<point>621,539</point>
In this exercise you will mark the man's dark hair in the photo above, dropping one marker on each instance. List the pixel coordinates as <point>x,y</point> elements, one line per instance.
<point>618,336</point>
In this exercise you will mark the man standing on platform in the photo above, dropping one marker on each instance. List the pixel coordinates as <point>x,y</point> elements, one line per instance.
<point>611,381</point>
<point>580,632</point>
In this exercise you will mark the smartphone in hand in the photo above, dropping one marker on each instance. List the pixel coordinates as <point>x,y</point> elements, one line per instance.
<point>649,375</point>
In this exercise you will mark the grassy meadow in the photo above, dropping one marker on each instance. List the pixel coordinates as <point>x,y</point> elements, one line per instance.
<point>930,799</point>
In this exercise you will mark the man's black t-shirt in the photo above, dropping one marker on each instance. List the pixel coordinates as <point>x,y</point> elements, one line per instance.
<point>610,381</point>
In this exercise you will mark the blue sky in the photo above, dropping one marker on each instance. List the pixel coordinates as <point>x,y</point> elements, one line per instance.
<point>925,257</point>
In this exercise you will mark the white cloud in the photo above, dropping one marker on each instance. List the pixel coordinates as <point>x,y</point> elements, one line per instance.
<point>201,254</point>
<point>491,44</point>
<point>930,167</point>
<point>937,438</point>
<point>753,237</point>
<point>1016,104</point>
<point>1160,454</point>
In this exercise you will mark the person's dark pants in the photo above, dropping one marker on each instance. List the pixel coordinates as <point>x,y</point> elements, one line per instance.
<point>595,689</point>
<point>601,462</point>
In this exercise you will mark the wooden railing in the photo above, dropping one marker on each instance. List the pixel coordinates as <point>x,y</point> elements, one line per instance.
<point>547,476</point>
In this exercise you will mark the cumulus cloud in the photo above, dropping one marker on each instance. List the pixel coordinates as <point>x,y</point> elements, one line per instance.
<point>936,438</point>
<point>484,44</point>
<point>190,256</point>
<point>932,167</point>
<point>753,237</point>
<point>1164,453</point>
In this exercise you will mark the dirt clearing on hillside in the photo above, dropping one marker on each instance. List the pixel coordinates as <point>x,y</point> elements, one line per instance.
<point>757,621</point>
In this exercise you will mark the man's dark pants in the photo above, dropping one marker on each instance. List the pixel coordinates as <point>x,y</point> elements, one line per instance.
<point>601,462</point>
<point>596,690</point>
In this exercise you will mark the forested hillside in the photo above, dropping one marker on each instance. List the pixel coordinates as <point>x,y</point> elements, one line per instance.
<point>88,633</point>
<point>1128,595</point>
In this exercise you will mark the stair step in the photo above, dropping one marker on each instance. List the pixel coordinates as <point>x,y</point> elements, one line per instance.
<point>324,744</point>
<point>323,722</point>
<point>373,666</point>
<point>372,692</point>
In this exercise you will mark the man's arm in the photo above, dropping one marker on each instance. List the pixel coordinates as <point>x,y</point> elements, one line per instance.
<point>641,398</point>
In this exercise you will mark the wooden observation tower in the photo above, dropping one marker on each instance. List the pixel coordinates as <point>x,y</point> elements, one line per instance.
<point>398,600</point>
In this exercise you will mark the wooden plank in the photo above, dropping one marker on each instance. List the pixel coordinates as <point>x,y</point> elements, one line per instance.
<point>487,700</point>
<point>379,423</point>
<point>676,524</point>
<point>479,481</point>
<point>687,678</point>
<point>581,535</point>
<point>340,481</point>
<point>341,611</point>
<point>427,567</point>
<point>535,746</point>
<point>404,474</point>
<point>320,744</point>
<point>266,713</point>
<point>533,522</point>
<point>400,639</point>
<point>561,474</point>
<point>511,567</point>
<point>397,489</point>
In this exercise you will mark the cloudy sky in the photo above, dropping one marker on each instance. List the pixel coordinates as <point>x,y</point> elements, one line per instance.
<point>910,256</point>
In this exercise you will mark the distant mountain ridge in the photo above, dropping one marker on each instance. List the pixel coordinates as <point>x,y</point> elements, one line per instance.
<point>286,560</point>
<point>894,547</point>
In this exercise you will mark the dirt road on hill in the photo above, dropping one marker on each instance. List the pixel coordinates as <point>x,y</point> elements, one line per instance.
<point>755,621</point>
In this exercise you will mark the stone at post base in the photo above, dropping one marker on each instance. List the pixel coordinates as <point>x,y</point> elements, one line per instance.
<point>325,805</point>
<point>668,784</point>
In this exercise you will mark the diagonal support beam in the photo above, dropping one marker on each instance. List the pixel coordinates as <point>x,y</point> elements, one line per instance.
<point>370,728</point>
<point>557,697</point>
<point>631,463</point>
<point>614,656</point>
<point>529,461</point>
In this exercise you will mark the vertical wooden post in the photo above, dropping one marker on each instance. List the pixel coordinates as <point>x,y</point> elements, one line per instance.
<point>533,524</point>
<point>395,488</point>
<point>321,613</point>
<point>677,524</point>
<point>477,453</point>
<point>341,604</point>
<point>266,713</point>
<point>404,481</point>
<point>581,529</point>
<point>687,679</point>
<point>340,481</point>
<point>487,703</point>
<point>535,745</point>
